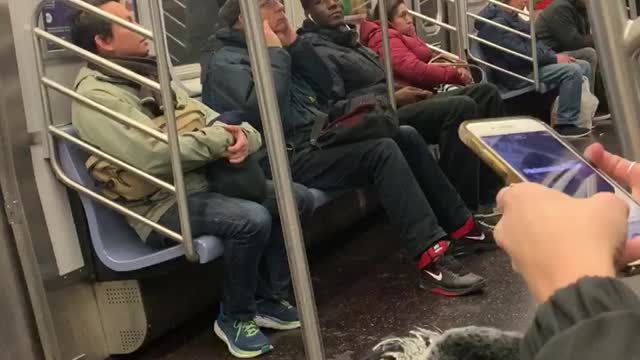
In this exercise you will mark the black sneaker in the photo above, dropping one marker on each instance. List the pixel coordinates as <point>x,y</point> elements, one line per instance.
<point>571,131</point>
<point>446,276</point>
<point>476,241</point>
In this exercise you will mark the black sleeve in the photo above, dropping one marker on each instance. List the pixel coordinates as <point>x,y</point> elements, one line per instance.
<point>595,319</point>
<point>230,86</point>
<point>564,27</point>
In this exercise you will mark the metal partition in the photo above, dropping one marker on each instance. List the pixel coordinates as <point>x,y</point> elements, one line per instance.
<point>164,87</point>
<point>440,21</point>
<point>531,37</point>
<point>617,40</point>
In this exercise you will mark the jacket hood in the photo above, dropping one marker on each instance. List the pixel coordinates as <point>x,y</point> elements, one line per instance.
<point>491,12</point>
<point>368,29</point>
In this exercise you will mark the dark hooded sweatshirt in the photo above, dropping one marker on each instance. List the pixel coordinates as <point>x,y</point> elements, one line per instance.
<point>563,26</point>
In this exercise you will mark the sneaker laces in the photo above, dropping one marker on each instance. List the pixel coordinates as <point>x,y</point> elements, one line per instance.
<point>248,328</point>
<point>286,304</point>
<point>450,263</point>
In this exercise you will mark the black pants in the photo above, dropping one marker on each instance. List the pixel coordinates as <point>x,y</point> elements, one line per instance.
<point>412,188</point>
<point>438,120</point>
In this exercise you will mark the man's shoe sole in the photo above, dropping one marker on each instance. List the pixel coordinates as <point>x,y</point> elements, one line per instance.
<point>239,353</point>
<point>455,292</point>
<point>269,322</point>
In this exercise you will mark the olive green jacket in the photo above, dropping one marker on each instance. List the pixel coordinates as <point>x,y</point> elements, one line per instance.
<point>142,151</point>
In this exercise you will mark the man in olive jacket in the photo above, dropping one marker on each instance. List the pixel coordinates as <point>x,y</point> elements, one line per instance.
<point>256,273</point>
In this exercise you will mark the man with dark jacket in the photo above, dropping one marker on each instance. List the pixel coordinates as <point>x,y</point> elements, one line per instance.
<point>413,190</point>
<point>330,57</point>
<point>555,70</point>
<point>564,27</point>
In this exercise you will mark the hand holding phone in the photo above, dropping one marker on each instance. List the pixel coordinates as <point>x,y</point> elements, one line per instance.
<point>527,150</point>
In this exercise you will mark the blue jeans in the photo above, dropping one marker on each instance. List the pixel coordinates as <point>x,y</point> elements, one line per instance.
<point>255,258</point>
<point>568,79</point>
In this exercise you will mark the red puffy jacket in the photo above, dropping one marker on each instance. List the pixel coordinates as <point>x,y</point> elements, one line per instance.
<point>541,5</point>
<point>410,57</point>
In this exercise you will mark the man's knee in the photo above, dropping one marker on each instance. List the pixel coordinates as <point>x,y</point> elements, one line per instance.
<point>488,89</point>
<point>572,71</point>
<point>408,133</point>
<point>590,54</point>
<point>255,222</point>
<point>385,149</point>
<point>465,106</point>
<point>304,199</point>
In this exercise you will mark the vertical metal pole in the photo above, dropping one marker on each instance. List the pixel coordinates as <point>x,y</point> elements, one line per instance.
<point>534,45</point>
<point>174,145</point>
<point>612,36</point>
<point>461,26</point>
<point>44,91</point>
<point>388,67</point>
<point>633,9</point>
<point>276,146</point>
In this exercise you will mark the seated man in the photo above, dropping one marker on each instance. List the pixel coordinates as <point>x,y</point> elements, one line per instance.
<point>344,69</point>
<point>556,70</point>
<point>564,27</point>
<point>256,273</point>
<point>415,194</point>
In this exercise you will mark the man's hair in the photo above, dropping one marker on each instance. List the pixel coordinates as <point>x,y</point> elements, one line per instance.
<point>86,26</point>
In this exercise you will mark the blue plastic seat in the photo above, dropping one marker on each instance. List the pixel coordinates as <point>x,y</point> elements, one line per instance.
<point>505,93</point>
<point>115,243</point>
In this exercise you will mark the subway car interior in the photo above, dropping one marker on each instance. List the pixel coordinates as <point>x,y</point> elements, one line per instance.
<point>79,284</point>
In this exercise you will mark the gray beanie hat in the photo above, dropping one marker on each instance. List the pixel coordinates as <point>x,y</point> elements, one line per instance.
<point>229,12</point>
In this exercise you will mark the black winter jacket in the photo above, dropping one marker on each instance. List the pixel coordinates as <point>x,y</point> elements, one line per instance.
<point>342,71</point>
<point>596,318</point>
<point>563,26</point>
<point>511,41</point>
<point>227,85</point>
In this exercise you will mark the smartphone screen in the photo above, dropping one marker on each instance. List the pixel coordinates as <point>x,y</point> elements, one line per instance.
<point>541,158</point>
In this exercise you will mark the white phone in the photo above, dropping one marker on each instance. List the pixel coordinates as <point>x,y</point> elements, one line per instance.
<point>525,149</point>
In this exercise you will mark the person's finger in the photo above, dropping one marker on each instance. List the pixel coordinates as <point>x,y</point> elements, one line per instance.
<point>502,198</point>
<point>238,159</point>
<point>498,233</point>
<point>620,169</point>
<point>631,251</point>
<point>241,143</point>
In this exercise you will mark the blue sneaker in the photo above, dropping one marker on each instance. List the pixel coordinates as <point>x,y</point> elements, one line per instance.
<point>243,338</point>
<point>279,315</point>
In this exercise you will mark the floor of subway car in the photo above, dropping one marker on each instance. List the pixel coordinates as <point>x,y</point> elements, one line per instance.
<point>366,290</point>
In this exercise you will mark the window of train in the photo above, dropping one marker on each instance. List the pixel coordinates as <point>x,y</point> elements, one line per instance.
<point>189,24</point>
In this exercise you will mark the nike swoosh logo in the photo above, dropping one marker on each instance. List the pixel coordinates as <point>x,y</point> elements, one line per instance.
<point>479,238</point>
<point>437,277</point>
